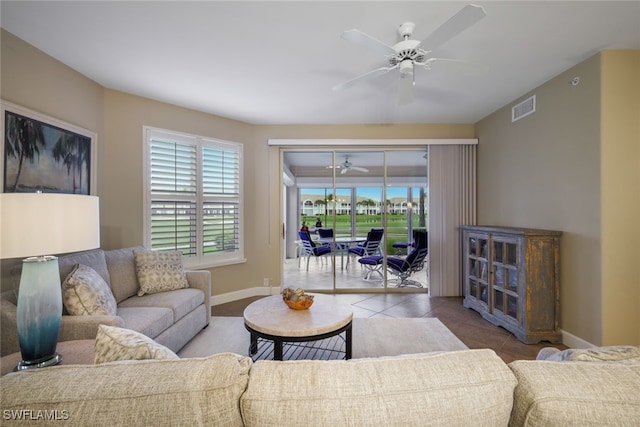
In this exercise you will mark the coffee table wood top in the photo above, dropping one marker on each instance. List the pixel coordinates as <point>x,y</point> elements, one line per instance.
<point>271,316</point>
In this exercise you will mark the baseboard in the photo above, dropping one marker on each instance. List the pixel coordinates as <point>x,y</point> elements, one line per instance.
<point>573,341</point>
<point>244,293</point>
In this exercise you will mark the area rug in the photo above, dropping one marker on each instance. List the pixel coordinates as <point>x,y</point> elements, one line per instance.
<point>372,337</point>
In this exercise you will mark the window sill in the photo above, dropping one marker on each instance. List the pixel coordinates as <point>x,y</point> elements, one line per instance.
<point>213,264</point>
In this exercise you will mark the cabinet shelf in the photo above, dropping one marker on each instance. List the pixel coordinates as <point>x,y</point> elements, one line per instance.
<point>511,277</point>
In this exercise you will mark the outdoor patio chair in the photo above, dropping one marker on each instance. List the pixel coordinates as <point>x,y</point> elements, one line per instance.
<point>401,248</point>
<point>325,233</point>
<point>310,249</point>
<point>370,247</point>
<point>402,268</point>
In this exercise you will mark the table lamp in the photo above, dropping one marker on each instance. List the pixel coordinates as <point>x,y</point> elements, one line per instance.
<point>33,225</point>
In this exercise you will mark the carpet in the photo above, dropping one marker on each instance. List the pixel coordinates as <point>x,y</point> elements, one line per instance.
<point>372,337</point>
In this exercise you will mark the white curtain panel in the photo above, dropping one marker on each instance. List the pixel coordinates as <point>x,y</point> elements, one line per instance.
<point>452,203</point>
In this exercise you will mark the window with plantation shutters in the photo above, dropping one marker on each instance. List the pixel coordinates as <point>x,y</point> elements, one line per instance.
<point>193,197</point>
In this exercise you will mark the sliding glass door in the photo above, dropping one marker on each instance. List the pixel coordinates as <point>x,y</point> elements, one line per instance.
<point>346,195</point>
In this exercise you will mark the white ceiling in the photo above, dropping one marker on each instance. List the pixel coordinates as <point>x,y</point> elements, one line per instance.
<point>271,62</point>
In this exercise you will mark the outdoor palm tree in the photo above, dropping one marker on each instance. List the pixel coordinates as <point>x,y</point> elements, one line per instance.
<point>421,213</point>
<point>368,203</point>
<point>328,200</point>
<point>24,141</point>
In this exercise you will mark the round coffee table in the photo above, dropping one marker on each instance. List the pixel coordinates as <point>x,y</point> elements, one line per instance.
<point>270,318</point>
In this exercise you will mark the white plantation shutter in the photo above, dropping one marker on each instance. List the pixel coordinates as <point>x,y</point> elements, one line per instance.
<point>173,167</point>
<point>221,195</point>
<point>193,197</point>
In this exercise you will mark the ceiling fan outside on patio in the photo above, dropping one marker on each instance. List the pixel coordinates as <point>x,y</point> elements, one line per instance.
<point>407,54</point>
<point>346,166</point>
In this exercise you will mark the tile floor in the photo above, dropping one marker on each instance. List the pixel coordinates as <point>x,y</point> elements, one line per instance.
<point>466,324</point>
<point>349,274</point>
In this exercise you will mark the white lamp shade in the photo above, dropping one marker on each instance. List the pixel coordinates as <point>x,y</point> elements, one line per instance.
<point>35,224</point>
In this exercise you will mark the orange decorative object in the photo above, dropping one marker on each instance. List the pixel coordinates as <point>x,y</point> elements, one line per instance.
<point>300,305</point>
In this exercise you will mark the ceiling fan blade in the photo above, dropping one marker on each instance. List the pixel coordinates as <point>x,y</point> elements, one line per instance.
<point>366,76</point>
<point>359,169</point>
<point>358,37</point>
<point>405,89</point>
<point>459,22</point>
<point>345,170</point>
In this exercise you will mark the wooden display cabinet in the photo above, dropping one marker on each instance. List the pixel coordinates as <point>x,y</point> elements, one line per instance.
<point>511,277</point>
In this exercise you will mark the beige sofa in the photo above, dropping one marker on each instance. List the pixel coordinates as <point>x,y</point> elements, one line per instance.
<point>461,388</point>
<point>171,318</point>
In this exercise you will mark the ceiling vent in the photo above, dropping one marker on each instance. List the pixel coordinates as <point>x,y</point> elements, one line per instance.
<point>523,109</point>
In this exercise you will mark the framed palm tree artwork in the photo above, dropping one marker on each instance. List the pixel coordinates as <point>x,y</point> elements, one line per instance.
<point>41,153</point>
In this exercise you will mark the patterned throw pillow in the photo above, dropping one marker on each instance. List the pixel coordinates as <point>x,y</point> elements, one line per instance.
<point>113,343</point>
<point>84,292</point>
<point>159,271</point>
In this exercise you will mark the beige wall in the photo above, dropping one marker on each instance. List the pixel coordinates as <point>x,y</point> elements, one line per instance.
<point>550,170</point>
<point>37,81</point>
<point>620,180</point>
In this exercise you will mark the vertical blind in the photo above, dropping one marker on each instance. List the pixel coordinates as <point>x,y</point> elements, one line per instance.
<point>194,193</point>
<point>452,203</point>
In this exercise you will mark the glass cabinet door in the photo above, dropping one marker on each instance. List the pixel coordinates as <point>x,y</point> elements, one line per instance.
<point>478,268</point>
<point>504,262</point>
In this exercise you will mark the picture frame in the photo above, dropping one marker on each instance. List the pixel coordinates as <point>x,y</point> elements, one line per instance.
<point>41,153</point>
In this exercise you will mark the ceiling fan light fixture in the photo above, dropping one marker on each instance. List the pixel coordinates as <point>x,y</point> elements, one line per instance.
<point>406,68</point>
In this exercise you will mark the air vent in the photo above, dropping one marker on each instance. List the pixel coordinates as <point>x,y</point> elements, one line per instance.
<point>523,109</point>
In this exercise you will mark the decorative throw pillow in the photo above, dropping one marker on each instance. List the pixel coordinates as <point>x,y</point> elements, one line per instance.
<point>159,271</point>
<point>614,353</point>
<point>84,292</point>
<point>113,343</point>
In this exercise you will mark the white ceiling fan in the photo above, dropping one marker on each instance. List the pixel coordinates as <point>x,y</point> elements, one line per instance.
<point>346,166</point>
<point>407,54</point>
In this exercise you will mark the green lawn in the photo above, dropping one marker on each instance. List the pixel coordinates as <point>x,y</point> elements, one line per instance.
<point>396,230</point>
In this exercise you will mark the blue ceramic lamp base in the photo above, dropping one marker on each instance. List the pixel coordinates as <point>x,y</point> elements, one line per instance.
<point>39,312</point>
<point>25,365</point>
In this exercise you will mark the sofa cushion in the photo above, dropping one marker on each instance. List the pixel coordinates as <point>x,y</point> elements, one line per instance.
<point>84,292</point>
<point>159,271</point>
<point>181,302</point>
<point>448,388</point>
<point>113,344</point>
<point>122,269</point>
<point>575,393</point>
<point>151,321</point>
<point>182,392</point>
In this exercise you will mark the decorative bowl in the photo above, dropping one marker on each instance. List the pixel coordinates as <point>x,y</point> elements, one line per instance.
<point>302,304</point>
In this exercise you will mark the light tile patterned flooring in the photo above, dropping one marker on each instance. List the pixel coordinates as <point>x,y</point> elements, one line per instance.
<point>349,274</point>
<point>466,324</point>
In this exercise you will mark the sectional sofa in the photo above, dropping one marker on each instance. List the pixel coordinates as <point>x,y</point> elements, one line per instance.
<point>171,318</point>
<point>460,388</point>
